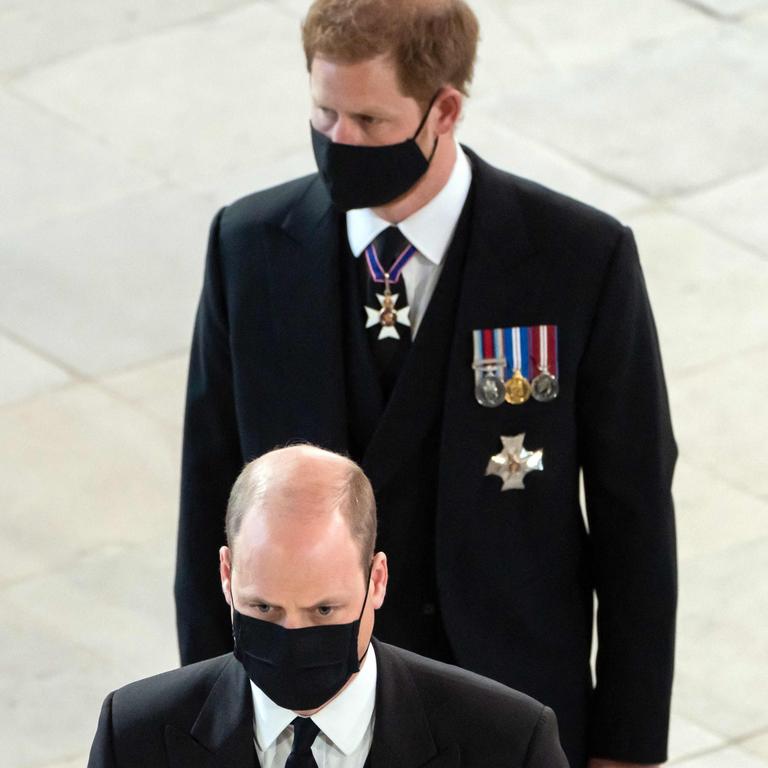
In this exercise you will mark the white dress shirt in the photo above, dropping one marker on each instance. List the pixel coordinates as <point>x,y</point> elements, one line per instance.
<point>429,230</point>
<point>346,724</point>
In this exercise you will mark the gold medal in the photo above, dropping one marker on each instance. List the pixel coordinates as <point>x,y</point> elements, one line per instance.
<point>517,389</point>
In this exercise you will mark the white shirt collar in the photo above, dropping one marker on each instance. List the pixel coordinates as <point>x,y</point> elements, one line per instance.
<point>429,229</point>
<point>344,720</point>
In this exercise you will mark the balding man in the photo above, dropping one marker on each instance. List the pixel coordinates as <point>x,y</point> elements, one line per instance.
<point>307,686</point>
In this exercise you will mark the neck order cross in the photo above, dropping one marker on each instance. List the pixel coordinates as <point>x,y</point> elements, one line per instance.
<point>386,258</point>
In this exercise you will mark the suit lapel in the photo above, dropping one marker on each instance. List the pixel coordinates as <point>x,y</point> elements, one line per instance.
<point>501,273</point>
<point>503,285</point>
<point>222,735</point>
<point>306,310</point>
<point>402,737</point>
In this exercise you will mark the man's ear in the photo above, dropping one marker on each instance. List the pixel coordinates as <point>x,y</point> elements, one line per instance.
<point>379,577</point>
<point>225,573</point>
<point>448,110</point>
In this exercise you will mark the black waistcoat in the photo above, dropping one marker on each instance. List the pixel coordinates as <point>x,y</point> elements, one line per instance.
<point>408,425</point>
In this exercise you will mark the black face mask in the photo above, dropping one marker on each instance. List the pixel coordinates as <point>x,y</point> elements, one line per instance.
<point>298,669</point>
<point>366,177</point>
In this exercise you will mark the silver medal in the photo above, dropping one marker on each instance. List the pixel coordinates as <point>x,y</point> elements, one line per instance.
<point>544,387</point>
<point>489,386</point>
<point>489,391</point>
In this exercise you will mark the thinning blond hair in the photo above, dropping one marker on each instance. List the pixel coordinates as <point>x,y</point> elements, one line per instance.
<point>350,491</point>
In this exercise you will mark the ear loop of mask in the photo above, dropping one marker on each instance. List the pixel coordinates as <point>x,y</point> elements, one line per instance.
<point>232,596</point>
<point>423,122</point>
<point>362,610</point>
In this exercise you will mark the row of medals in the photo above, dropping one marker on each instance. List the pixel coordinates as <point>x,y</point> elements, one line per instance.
<point>491,391</point>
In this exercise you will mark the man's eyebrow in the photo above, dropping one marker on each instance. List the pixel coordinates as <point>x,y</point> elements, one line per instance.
<point>374,110</point>
<point>333,601</point>
<point>371,111</point>
<point>365,115</point>
<point>254,599</point>
<point>258,600</point>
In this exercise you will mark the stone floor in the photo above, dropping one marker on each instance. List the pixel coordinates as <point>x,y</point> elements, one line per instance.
<point>124,124</point>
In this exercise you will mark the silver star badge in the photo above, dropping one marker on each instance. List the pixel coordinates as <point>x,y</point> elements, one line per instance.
<point>514,462</point>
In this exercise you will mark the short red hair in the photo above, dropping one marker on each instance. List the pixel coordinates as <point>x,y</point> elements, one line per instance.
<point>431,42</point>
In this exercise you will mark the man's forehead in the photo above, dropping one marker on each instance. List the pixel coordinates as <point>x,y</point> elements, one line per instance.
<point>277,577</point>
<point>287,529</point>
<point>297,586</point>
<point>373,78</point>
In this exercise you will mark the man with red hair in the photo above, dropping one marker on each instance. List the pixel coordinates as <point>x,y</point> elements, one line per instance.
<point>475,341</point>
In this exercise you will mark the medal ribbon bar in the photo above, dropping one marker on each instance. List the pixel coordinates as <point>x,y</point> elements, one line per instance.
<point>525,355</point>
<point>487,353</point>
<point>516,350</point>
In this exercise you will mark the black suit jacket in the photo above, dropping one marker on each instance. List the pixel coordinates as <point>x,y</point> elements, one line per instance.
<point>427,714</point>
<point>516,571</point>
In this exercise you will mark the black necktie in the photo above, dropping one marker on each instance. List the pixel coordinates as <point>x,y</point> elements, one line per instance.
<point>304,733</point>
<point>389,331</point>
